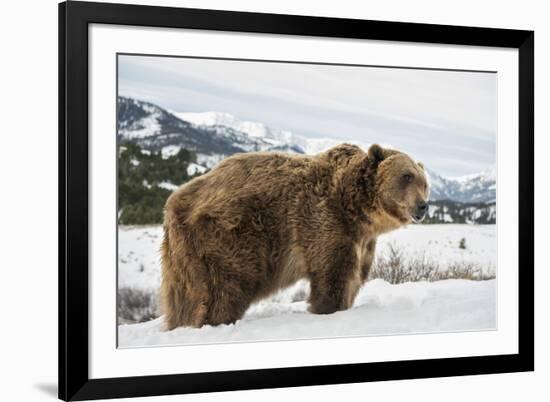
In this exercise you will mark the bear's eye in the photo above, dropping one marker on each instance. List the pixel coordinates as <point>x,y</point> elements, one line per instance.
<point>408,177</point>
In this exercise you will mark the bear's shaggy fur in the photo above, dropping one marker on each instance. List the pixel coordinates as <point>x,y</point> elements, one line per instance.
<point>259,222</point>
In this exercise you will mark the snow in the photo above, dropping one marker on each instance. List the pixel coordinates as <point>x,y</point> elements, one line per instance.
<point>138,256</point>
<point>145,127</point>
<point>251,128</point>
<point>193,169</point>
<point>167,186</point>
<point>465,178</point>
<point>489,174</point>
<point>170,150</point>
<point>379,309</point>
<point>210,160</point>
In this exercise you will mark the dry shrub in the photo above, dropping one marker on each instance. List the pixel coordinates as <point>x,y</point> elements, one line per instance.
<point>392,266</point>
<point>136,305</point>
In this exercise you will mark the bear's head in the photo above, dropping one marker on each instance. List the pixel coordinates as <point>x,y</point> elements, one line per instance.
<point>400,185</point>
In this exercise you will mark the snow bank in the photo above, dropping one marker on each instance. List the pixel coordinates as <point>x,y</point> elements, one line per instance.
<point>193,168</point>
<point>379,309</point>
<point>139,257</point>
<point>170,150</point>
<point>440,243</point>
<point>167,186</point>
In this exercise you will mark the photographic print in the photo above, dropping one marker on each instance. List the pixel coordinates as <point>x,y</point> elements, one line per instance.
<point>272,200</point>
<point>258,201</point>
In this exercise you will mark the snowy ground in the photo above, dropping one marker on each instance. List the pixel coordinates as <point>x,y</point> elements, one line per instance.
<point>380,308</point>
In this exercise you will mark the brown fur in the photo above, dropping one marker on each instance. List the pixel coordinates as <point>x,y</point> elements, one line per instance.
<point>259,222</point>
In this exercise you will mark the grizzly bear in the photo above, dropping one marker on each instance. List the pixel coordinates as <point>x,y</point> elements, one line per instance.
<point>259,222</point>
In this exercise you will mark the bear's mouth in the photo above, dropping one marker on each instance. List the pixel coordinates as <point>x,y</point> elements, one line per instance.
<point>417,218</point>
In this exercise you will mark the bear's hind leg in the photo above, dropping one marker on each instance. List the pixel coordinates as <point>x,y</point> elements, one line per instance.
<point>183,295</point>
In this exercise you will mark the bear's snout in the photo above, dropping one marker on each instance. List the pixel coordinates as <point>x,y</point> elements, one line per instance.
<point>421,211</point>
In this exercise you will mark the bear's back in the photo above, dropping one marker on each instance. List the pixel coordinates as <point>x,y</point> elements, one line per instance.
<point>257,172</point>
<point>241,182</point>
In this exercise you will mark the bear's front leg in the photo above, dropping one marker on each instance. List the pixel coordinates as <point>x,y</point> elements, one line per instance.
<point>335,279</point>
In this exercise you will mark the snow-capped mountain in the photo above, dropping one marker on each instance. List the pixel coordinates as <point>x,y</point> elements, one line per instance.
<point>156,129</point>
<point>216,135</point>
<point>209,119</point>
<point>279,139</point>
<point>479,187</point>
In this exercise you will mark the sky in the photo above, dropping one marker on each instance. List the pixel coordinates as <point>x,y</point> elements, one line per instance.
<point>446,119</point>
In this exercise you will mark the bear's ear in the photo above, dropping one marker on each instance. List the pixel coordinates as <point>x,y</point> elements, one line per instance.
<point>375,154</point>
<point>421,165</point>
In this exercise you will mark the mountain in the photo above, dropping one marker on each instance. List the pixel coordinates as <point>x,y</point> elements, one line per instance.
<point>479,187</point>
<point>156,129</point>
<point>213,136</point>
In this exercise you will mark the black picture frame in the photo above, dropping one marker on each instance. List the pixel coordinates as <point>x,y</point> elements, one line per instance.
<point>74,18</point>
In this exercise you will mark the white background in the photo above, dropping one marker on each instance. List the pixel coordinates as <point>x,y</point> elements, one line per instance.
<point>28,166</point>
